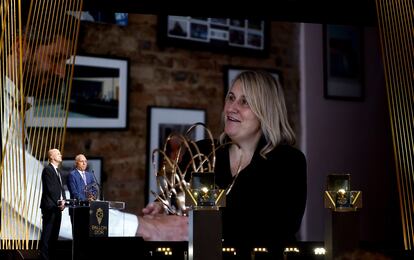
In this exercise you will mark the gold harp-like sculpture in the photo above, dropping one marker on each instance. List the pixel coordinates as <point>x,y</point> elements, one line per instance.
<point>37,37</point>
<point>395,22</point>
<point>176,192</point>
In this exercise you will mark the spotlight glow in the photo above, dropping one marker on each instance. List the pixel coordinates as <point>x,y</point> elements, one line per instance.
<point>319,251</point>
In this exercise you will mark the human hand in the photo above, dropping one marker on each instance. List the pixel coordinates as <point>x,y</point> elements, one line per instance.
<point>160,227</point>
<point>61,204</point>
<point>153,208</point>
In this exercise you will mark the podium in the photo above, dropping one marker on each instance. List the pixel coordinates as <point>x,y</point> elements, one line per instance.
<point>89,219</point>
<point>342,223</point>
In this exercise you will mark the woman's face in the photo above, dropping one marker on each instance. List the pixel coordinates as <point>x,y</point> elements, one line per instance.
<point>240,123</point>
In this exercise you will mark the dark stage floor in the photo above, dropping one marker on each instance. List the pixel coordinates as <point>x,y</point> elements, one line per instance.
<point>135,248</point>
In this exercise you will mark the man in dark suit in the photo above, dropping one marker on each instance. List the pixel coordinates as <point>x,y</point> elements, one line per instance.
<point>81,182</point>
<point>51,204</point>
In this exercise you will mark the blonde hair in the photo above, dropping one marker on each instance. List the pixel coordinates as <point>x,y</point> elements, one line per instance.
<point>265,96</point>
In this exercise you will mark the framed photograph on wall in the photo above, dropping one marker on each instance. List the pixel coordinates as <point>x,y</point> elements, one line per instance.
<point>230,72</point>
<point>163,121</point>
<point>344,62</point>
<point>68,164</point>
<point>98,98</point>
<point>100,17</point>
<point>217,34</point>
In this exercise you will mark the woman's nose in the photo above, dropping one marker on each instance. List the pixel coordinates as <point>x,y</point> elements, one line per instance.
<point>230,108</point>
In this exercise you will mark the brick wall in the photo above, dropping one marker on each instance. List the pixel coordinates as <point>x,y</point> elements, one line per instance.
<point>170,77</point>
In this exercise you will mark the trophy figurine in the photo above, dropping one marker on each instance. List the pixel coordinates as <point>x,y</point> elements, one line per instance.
<point>339,196</point>
<point>189,189</point>
<point>344,205</point>
<point>91,192</point>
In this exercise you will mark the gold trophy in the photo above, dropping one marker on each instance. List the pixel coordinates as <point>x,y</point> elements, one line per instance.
<point>91,192</point>
<point>192,188</point>
<point>189,189</point>
<point>339,196</point>
<point>344,205</point>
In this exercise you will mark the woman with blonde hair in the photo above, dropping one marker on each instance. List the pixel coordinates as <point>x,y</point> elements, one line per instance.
<point>265,176</point>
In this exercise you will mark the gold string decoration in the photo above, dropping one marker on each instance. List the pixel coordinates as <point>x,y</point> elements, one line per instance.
<point>37,38</point>
<point>395,22</point>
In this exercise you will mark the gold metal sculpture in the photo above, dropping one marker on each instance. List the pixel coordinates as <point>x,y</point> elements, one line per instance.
<point>29,33</point>
<point>191,188</point>
<point>395,23</point>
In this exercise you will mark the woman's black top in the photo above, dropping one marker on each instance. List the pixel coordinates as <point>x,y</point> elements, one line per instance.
<point>267,200</point>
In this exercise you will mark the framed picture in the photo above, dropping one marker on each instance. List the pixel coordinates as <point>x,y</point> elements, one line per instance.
<point>230,72</point>
<point>68,164</point>
<point>343,66</point>
<point>98,98</point>
<point>120,19</point>
<point>218,34</point>
<point>105,17</point>
<point>163,121</point>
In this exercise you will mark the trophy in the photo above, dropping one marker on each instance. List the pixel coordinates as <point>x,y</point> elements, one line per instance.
<point>189,189</point>
<point>91,191</point>
<point>191,186</point>
<point>339,196</point>
<point>344,205</point>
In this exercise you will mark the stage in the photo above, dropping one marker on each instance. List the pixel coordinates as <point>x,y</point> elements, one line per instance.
<point>135,248</point>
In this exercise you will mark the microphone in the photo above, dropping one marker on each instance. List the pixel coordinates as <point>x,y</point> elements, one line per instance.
<point>96,181</point>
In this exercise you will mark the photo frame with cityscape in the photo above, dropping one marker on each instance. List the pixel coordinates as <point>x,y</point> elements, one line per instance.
<point>98,98</point>
<point>227,35</point>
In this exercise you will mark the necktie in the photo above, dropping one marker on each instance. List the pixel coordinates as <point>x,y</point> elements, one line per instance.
<point>62,192</point>
<point>84,177</point>
<point>58,174</point>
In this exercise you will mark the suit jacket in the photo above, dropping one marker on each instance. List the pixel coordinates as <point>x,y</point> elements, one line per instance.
<point>52,188</point>
<point>76,185</point>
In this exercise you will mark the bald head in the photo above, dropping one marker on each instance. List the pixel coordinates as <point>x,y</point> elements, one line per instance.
<point>55,157</point>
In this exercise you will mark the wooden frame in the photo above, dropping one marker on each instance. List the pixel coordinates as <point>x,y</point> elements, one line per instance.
<point>161,122</point>
<point>343,66</point>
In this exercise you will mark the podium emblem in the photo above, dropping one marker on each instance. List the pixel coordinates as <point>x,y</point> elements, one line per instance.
<point>99,215</point>
<point>98,219</point>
